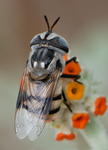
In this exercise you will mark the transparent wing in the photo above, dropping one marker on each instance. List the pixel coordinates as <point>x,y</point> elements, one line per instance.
<point>33,104</point>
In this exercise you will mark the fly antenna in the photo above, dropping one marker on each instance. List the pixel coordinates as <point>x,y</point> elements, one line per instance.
<point>55,22</point>
<point>47,22</point>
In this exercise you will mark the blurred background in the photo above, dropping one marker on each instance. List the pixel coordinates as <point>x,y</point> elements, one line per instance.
<point>84,24</point>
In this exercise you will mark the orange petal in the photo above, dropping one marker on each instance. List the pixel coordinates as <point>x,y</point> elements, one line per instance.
<point>60,136</point>
<point>80,120</point>
<point>72,68</point>
<point>75,91</point>
<point>100,106</point>
<point>65,57</point>
<point>70,136</point>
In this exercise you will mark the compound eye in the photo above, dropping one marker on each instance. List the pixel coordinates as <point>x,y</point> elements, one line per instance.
<point>36,40</point>
<point>60,43</point>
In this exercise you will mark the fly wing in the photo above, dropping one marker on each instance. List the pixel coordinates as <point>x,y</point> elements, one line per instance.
<point>33,104</point>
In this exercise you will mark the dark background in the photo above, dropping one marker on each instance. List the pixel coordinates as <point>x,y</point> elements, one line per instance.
<point>83,23</point>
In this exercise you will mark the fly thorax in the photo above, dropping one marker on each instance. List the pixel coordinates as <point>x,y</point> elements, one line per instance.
<point>43,62</point>
<point>39,61</point>
<point>42,58</point>
<point>57,62</point>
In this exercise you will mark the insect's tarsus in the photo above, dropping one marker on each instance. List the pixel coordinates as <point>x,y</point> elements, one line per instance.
<point>75,77</point>
<point>78,81</point>
<point>70,76</point>
<point>65,102</point>
<point>72,59</point>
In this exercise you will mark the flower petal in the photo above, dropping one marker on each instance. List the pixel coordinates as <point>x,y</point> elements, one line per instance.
<point>100,106</point>
<point>72,68</point>
<point>75,91</point>
<point>60,136</point>
<point>80,120</point>
<point>70,136</point>
<point>65,57</point>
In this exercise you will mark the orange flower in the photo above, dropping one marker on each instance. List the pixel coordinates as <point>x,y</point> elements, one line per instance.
<point>80,120</point>
<point>100,106</point>
<point>75,91</point>
<point>72,68</point>
<point>65,57</point>
<point>62,136</point>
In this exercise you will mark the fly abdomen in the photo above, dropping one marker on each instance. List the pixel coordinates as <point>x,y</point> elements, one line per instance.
<point>55,107</point>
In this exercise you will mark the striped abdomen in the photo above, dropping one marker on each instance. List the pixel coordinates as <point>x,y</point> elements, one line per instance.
<point>57,99</point>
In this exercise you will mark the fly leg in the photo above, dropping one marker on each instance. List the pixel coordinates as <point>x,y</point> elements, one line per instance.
<point>65,101</point>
